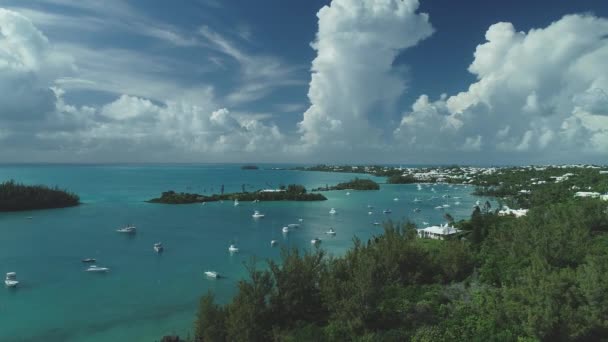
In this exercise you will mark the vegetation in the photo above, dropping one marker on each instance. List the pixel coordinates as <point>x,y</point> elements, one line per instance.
<point>355,184</point>
<point>542,277</point>
<point>16,197</point>
<point>292,192</point>
<point>400,179</point>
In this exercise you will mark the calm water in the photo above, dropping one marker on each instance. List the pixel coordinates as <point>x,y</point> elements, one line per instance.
<point>147,295</point>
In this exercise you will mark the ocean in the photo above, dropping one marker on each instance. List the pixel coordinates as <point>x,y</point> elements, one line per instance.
<point>146,295</point>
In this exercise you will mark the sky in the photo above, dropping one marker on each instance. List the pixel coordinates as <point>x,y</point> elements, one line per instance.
<point>317,81</point>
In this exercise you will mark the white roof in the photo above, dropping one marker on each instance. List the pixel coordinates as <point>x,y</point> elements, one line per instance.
<point>440,230</point>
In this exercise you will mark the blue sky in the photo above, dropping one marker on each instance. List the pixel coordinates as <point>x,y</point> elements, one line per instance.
<point>392,81</point>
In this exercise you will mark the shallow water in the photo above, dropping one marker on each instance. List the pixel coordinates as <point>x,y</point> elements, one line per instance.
<point>146,295</point>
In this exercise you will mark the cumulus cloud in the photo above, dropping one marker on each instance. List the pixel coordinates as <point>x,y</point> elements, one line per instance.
<point>352,74</point>
<point>28,66</point>
<point>542,92</point>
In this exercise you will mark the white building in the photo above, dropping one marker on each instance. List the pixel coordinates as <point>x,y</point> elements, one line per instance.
<point>437,232</point>
<point>515,212</point>
<point>587,194</point>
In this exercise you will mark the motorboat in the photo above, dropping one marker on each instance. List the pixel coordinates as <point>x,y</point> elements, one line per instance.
<point>347,193</point>
<point>446,205</point>
<point>417,199</point>
<point>439,207</point>
<point>236,202</point>
<point>315,241</point>
<point>97,269</point>
<point>387,211</point>
<point>376,223</point>
<point>89,260</point>
<point>293,225</point>
<point>257,214</point>
<point>127,230</point>
<point>417,210</point>
<point>419,186</point>
<point>370,212</point>
<point>369,206</point>
<point>11,279</point>
<point>158,247</point>
<point>300,220</point>
<point>332,211</point>
<point>273,243</point>
<point>212,274</point>
<point>233,249</point>
<point>425,223</point>
<point>331,231</point>
<point>396,199</point>
<point>204,203</point>
<point>457,203</point>
<point>285,229</point>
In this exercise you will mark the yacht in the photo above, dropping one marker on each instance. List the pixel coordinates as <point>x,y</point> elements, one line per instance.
<point>439,207</point>
<point>376,223</point>
<point>273,243</point>
<point>257,214</point>
<point>89,260</point>
<point>293,225</point>
<point>97,269</point>
<point>127,229</point>
<point>347,193</point>
<point>212,274</point>
<point>457,203</point>
<point>300,220</point>
<point>425,223</point>
<point>315,241</point>
<point>396,199</point>
<point>419,187</point>
<point>11,279</point>
<point>417,199</point>
<point>285,229</point>
<point>331,231</point>
<point>446,205</point>
<point>370,212</point>
<point>158,247</point>
<point>236,202</point>
<point>233,249</point>
<point>333,211</point>
<point>387,211</point>
<point>204,203</point>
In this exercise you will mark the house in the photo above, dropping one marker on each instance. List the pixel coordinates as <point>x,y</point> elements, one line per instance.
<point>587,194</point>
<point>437,232</point>
<point>506,211</point>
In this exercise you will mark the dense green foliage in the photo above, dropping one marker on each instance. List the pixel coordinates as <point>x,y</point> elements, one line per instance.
<point>15,197</point>
<point>355,184</point>
<point>401,179</point>
<point>542,277</point>
<point>292,192</point>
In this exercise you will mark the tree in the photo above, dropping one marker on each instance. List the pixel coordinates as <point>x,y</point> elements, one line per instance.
<point>210,325</point>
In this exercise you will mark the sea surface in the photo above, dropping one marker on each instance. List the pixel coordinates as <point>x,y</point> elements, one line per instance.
<point>146,295</point>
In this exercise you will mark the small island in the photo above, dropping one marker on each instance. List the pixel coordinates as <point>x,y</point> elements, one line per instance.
<point>355,184</point>
<point>19,197</point>
<point>401,179</point>
<point>249,167</point>
<point>292,192</point>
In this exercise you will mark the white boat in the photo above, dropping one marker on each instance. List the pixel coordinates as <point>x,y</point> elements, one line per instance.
<point>257,214</point>
<point>433,189</point>
<point>315,241</point>
<point>300,220</point>
<point>236,202</point>
<point>273,243</point>
<point>419,187</point>
<point>417,199</point>
<point>439,207</point>
<point>396,199</point>
<point>376,223</point>
<point>293,225</point>
<point>11,279</point>
<point>127,230</point>
<point>369,206</point>
<point>477,202</point>
<point>369,212</point>
<point>212,274</point>
<point>89,260</point>
<point>233,249</point>
<point>331,231</point>
<point>204,203</point>
<point>347,193</point>
<point>158,247</point>
<point>97,269</point>
<point>417,210</point>
<point>285,229</point>
<point>425,223</point>
<point>446,205</point>
<point>333,211</point>
<point>387,211</point>
<point>457,203</point>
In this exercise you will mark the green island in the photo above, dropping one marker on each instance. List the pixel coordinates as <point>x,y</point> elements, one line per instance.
<point>19,197</point>
<point>355,184</point>
<point>539,277</point>
<point>292,192</point>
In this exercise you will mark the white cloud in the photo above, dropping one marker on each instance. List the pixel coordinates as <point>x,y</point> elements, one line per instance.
<point>542,92</point>
<point>352,75</point>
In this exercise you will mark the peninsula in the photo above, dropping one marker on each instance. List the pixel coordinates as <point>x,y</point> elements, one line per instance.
<point>19,197</point>
<point>292,192</point>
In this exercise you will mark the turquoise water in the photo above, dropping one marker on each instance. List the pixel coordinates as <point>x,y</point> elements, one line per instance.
<point>146,295</point>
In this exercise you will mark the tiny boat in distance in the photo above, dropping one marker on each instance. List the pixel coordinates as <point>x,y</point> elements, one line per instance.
<point>376,223</point>
<point>396,199</point>
<point>273,243</point>
<point>369,212</point>
<point>417,199</point>
<point>233,249</point>
<point>331,231</point>
<point>347,193</point>
<point>457,203</point>
<point>440,207</point>
<point>158,247</point>
<point>257,214</point>
<point>293,225</point>
<point>97,269</point>
<point>332,211</point>
<point>417,210</point>
<point>369,206</point>
<point>387,211</point>
<point>88,260</point>
<point>11,279</point>
<point>419,187</point>
<point>236,202</point>
<point>285,229</point>
<point>300,220</point>
<point>315,241</point>
<point>127,230</point>
<point>29,217</point>
<point>212,274</point>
